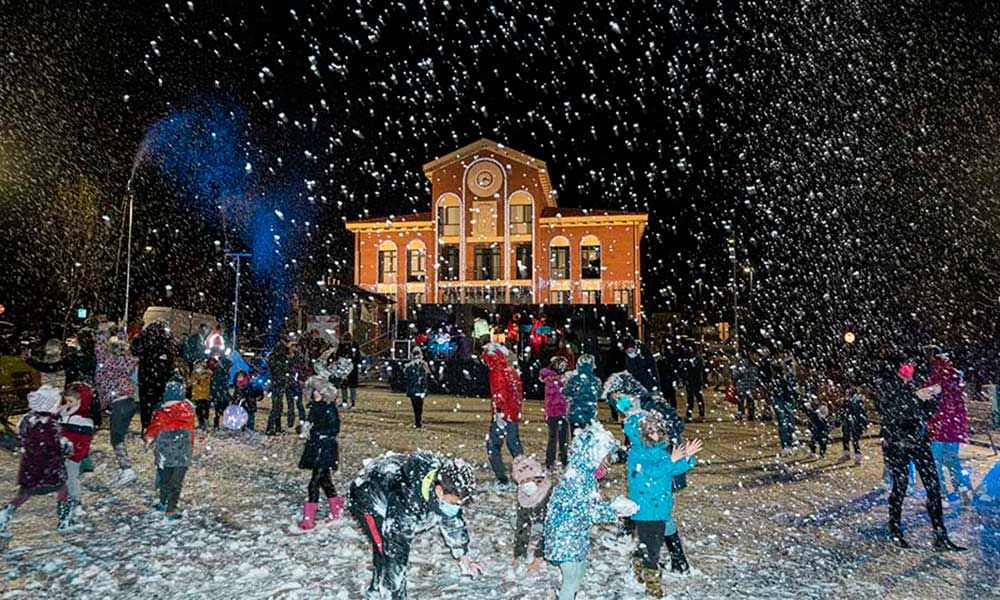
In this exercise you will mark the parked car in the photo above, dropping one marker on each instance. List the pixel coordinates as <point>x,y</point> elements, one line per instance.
<point>17,379</point>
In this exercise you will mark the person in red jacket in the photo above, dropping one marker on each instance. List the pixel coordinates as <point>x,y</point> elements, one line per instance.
<point>172,429</point>
<point>949,427</point>
<point>507,394</point>
<point>78,429</point>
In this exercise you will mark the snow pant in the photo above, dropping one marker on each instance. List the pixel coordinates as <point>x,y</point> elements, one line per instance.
<point>558,439</point>
<point>786,423</point>
<point>344,390</point>
<point>670,395</point>
<point>852,438</point>
<point>150,393</point>
<point>745,404</point>
<point>202,408</point>
<point>692,395</point>
<point>899,453</point>
<point>946,456</point>
<point>122,412</point>
<point>274,415</point>
<point>293,394</point>
<point>72,479</point>
<point>497,436</point>
<point>572,576</point>
<point>171,480</point>
<point>418,410</point>
<point>220,409</point>
<point>321,480</point>
<point>651,534</point>
<point>390,552</point>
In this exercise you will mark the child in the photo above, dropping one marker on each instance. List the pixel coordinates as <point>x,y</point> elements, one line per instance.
<point>201,392</point>
<point>576,505</point>
<point>507,395</point>
<point>219,389</point>
<point>417,372</point>
<point>115,377</point>
<point>533,491</point>
<point>819,424</point>
<point>652,467</point>
<point>42,470</point>
<point>172,429</point>
<point>556,409</point>
<point>78,429</point>
<point>321,453</point>
<point>243,395</point>
<point>582,391</point>
<point>854,420</point>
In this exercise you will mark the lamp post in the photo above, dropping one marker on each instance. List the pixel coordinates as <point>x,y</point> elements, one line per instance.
<point>128,250</point>
<point>236,301</point>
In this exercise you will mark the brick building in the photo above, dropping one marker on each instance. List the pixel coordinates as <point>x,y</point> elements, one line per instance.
<point>495,235</point>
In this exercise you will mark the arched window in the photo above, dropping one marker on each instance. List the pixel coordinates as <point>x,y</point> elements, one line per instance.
<point>449,215</point>
<point>559,258</point>
<point>416,261</point>
<point>387,262</point>
<point>521,213</point>
<point>590,257</point>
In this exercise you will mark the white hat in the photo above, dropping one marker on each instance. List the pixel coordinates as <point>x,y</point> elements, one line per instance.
<point>44,400</point>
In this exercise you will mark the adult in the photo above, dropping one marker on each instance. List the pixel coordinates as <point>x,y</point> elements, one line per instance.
<point>194,345</point>
<point>565,351</point>
<point>949,426</point>
<point>279,362</point>
<point>507,394</point>
<point>904,415</point>
<point>538,337</point>
<point>695,383</point>
<point>667,368</point>
<point>154,348</point>
<point>349,384</point>
<point>398,495</point>
<point>745,379</point>
<point>299,371</point>
<point>784,396</point>
<point>641,364</point>
<point>115,369</point>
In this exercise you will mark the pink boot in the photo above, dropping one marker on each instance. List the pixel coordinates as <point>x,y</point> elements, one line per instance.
<point>308,516</point>
<point>336,507</point>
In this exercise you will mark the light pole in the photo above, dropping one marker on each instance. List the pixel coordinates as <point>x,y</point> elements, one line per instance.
<point>736,297</point>
<point>128,249</point>
<point>236,301</point>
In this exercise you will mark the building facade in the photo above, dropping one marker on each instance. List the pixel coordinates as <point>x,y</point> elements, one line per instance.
<point>495,235</point>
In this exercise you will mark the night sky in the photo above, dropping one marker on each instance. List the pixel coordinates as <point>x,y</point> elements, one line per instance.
<point>849,149</point>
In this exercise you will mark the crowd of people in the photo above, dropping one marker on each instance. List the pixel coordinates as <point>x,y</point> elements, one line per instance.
<point>174,386</point>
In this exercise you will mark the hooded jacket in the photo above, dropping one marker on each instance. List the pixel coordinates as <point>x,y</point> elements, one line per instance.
<point>173,429</point>
<point>582,391</point>
<point>951,421</point>
<point>77,426</point>
<point>903,413</point>
<point>576,503</point>
<point>643,368</point>
<point>555,401</point>
<point>321,450</point>
<point>114,377</point>
<point>42,450</point>
<point>416,372</point>
<point>651,473</point>
<point>506,389</point>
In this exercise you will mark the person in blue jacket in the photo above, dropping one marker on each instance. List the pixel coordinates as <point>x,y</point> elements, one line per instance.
<point>576,505</point>
<point>583,390</point>
<point>652,467</point>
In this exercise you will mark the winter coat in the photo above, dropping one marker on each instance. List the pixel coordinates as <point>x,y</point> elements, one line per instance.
<point>114,372</point>
<point>651,473</point>
<point>42,451</point>
<point>280,363</point>
<point>576,503</point>
<point>321,450</point>
<point>299,368</point>
<point>173,429</point>
<point>399,488</point>
<point>416,372</point>
<point>643,368</point>
<point>506,388</point>
<point>903,413</point>
<point>350,351</point>
<point>853,416</point>
<point>201,384</point>
<point>322,382</point>
<point>582,391</point>
<point>194,348</point>
<point>696,373</point>
<point>156,351</point>
<point>219,387</point>
<point>555,401</point>
<point>951,421</point>
<point>77,426</point>
<point>745,376</point>
<point>527,519</point>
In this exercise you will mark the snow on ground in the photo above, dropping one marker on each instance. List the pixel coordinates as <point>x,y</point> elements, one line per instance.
<point>753,527</point>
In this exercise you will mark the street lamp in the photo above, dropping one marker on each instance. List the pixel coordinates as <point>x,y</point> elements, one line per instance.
<point>849,337</point>
<point>236,301</point>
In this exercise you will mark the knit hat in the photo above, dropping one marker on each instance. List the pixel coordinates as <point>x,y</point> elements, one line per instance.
<point>44,400</point>
<point>906,371</point>
<point>526,468</point>
<point>174,391</point>
<point>458,477</point>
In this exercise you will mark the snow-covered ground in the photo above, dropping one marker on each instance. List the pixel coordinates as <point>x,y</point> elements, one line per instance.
<point>753,527</point>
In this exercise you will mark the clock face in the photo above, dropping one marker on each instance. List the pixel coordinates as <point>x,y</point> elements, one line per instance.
<point>485,178</point>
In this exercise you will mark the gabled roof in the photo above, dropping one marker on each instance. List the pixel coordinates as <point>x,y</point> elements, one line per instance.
<point>487,144</point>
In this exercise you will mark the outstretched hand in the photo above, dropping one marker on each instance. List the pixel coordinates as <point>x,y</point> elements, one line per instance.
<point>692,447</point>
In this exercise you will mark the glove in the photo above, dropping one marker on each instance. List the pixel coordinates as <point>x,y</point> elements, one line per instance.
<point>470,567</point>
<point>499,420</point>
<point>624,507</point>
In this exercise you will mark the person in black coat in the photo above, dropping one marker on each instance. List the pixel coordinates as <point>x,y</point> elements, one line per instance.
<point>667,368</point>
<point>156,351</point>
<point>398,495</point>
<point>349,385</point>
<point>640,363</point>
<point>279,363</point>
<point>695,383</point>
<point>904,413</point>
<point>321,454</point>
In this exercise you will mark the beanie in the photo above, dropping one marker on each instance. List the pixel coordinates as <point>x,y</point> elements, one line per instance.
<point>44,400</point>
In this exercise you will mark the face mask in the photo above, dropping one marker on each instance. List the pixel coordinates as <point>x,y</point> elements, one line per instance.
<point>632,354</point>
<point>447,509</point>
<point>529,488</point>
<point>599,474</point>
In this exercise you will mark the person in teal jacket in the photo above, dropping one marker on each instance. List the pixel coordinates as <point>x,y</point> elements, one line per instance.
<point>652,467</point>
<point>583,390</point>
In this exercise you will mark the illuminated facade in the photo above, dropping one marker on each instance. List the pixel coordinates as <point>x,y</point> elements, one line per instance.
<point>496,236</point>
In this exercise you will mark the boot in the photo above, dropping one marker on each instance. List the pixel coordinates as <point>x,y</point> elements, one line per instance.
<point>125,477</point>
<point>966,497</point>
<point>336,508</point>
<point>896,533</point>
<point>651,577</point>
<point>678,562</point>
<point>308,516</point>
<point>844,457</point>
<point>64,510</point>
<point>5,516</point>
<point>943,544</point>
<point>637,558</point>
<point>858,459</point>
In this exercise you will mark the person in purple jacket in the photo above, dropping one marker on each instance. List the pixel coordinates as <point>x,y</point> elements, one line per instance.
<point>556,410</point>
